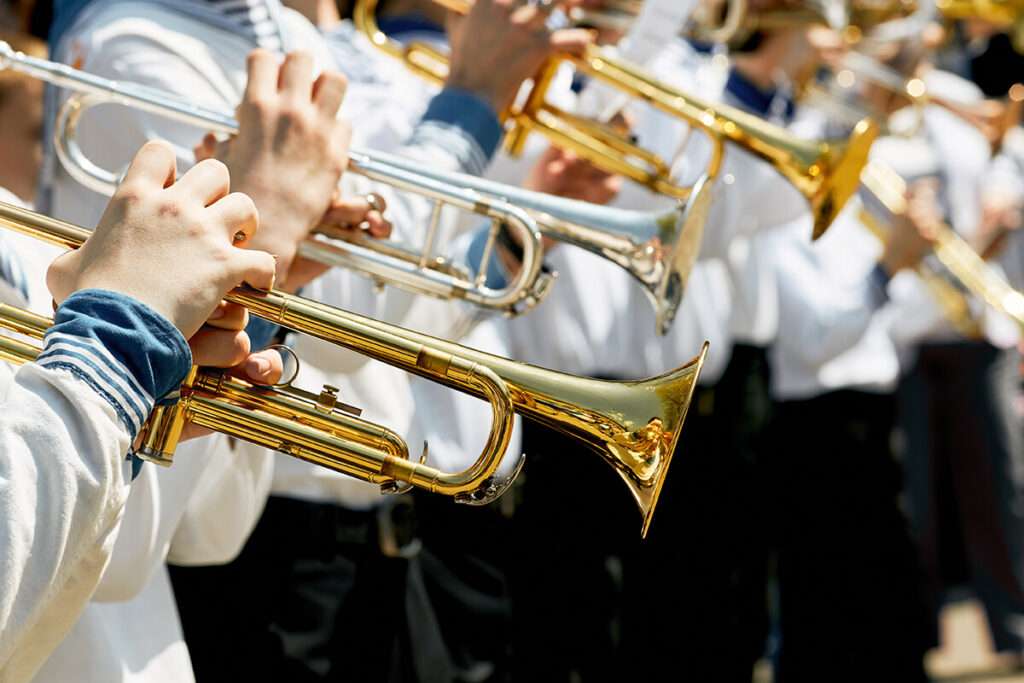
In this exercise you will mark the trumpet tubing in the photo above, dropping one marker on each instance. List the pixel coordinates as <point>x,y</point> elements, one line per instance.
<point>954,253</point>
<point>634,426</point>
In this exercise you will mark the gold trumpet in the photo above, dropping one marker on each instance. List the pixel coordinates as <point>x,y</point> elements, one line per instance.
<point>634,426</point>
<point>826,173</point>
<point>956,256</point>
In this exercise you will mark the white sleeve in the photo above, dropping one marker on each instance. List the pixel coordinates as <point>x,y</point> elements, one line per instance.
<point>63,483</point>
<point>226,505</point>
<point>198,511</point>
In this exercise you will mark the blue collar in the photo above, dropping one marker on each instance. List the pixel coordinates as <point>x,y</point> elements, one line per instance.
<point>408,23</point>
<point>752,98</point>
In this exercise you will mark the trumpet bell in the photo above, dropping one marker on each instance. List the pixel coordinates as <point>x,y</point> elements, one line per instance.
<point>676,261</point>
<point>835,175</point>
<point>634,425</point>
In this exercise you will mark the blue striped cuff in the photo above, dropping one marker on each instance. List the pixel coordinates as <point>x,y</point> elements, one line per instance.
<point>463,123</point>
<point>129,354</point>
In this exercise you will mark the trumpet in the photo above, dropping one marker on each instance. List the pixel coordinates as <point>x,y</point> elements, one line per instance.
<point>956,257</point>
<point>655,248</point>
<point>629,239</point>
<point>634,426</point>
<point>825,172</point>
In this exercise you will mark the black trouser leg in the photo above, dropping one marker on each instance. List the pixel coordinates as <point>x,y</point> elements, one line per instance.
<point>851,598</point>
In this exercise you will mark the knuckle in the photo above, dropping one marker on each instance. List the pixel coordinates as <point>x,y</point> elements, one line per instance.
<point>131,192</point>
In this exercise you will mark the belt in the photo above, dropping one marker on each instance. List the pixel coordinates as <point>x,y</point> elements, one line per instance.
<point>389,529</point>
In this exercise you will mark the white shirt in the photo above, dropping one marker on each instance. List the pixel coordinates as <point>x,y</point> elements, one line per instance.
<point>962,156</point>
<point>833,324</point>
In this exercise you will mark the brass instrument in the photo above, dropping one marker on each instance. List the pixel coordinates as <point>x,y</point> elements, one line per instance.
<point>731,22</point>
<point>824,172</point>
<point>634,426</point>
<point>956,256</point>
<point>1007,15</point>
<point>993,118</point>
<point>653,247</point>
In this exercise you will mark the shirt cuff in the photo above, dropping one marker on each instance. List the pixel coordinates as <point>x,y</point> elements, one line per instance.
<point>461,114</point>
<point>125,351</point>
<point>262,333</point>
<point>879,286</point>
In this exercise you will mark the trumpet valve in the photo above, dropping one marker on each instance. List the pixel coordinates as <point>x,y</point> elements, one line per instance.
<point>328,401</point>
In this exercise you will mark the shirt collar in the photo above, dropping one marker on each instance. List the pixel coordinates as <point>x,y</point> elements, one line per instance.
<point>754,99</point>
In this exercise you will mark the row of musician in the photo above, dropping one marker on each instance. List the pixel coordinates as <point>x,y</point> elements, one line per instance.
<point>723,166</point>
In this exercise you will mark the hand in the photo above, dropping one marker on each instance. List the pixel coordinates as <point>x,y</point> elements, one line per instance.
<point>174,246</point>
<point>562,173</point>
<point>290,150</point>
<point>223,343</point>
<point>914,234</point>
<point>501,43</point>
<point>347,218</point>
<point>1002,212</point>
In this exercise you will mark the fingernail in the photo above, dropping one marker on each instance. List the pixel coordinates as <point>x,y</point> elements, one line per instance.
<point>257,367</point>
<point>218,313</point>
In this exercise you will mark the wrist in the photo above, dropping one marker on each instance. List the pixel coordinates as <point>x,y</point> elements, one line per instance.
<point>494,97</point>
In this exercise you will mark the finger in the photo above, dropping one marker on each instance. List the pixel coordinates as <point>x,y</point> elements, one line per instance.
<point>229,316</point>
<point>206,149</point>
<point>571,40</point>
<point>329,92</point>
<point>262,69</point>
<point>154,165</point>
<point>256,268</point>
<point>208,181</point>
<point>216,348</point>
<point>377,226</point>
<point>352,211</point>
<point>239,215</point>
<point>262,367</point>
<point>296,75</point>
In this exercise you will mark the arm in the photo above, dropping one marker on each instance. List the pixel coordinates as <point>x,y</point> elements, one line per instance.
<point>67,422</point>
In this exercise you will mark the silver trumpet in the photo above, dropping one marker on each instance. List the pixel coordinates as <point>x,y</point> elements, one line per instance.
<point>655,248</point>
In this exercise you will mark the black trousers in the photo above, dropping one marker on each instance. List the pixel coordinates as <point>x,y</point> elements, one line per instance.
<point>312,597</point>
<point>851,597</point>
<point>593,603</point>
<point>965,468</point>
